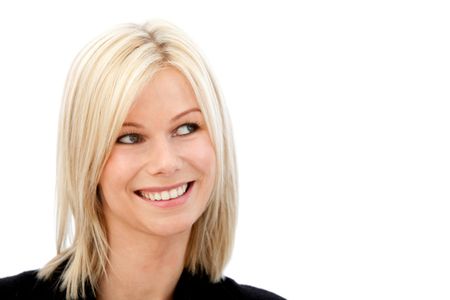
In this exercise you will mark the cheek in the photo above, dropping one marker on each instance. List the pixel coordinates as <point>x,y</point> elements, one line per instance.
<point>117,172</point>
<point>203,157</point>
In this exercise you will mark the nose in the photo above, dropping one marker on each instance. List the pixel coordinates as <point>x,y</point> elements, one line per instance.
<point>162,158</point>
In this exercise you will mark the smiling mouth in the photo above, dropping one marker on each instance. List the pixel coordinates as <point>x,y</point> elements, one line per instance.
<point>165,195</point>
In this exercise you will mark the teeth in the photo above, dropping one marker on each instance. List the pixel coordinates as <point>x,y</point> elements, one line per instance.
<point>165,195</point>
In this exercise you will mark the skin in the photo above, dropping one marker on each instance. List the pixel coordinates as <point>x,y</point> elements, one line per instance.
<point>148,243</point>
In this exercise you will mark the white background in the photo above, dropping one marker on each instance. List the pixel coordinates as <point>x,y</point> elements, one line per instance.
<point>341,116</point>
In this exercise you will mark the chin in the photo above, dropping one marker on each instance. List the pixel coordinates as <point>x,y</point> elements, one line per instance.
<point>170,226</point>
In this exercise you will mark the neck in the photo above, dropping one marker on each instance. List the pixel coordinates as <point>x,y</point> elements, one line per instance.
<point>142,266</point>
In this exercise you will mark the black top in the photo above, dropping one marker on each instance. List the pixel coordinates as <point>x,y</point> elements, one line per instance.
<point>189,287</point>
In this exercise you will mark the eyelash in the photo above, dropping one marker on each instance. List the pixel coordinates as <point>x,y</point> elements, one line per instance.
<point>195,126</point>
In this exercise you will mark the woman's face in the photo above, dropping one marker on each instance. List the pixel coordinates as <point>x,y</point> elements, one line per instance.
<point>161,171</point>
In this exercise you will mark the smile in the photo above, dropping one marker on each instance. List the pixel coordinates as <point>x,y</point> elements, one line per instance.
<point>165,195</point>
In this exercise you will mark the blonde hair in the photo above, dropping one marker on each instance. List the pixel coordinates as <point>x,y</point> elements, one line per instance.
<point>103,82</point>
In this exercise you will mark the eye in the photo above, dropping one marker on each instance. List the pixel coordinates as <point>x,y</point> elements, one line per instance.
<point>187,128</point>
<point>129,138</point>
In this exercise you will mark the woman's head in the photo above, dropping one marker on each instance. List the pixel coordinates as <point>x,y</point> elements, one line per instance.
<point>120,78</point>
<point>160,173</point>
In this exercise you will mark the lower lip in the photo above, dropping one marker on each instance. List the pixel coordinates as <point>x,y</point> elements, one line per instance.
<point>172,202</point>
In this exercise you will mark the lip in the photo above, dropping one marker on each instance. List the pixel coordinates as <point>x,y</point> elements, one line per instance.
<point>165,188</point>
<point>172,202</point>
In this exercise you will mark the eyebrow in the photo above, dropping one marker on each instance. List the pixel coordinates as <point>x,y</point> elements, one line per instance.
<point>137,125</point>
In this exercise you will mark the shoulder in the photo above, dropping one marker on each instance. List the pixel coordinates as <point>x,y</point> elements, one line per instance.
<point>14,286</point>
<point>27,285</point>
<point>199,287</point>
<point>250,292</point>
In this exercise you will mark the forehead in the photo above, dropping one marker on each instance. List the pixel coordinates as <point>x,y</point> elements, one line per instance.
<point>167,93</point>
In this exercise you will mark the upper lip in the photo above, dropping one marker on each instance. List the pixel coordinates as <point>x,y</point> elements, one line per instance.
<point>161,189</point>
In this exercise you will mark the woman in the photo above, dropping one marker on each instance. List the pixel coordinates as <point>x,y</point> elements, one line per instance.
<point>146,176</point>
